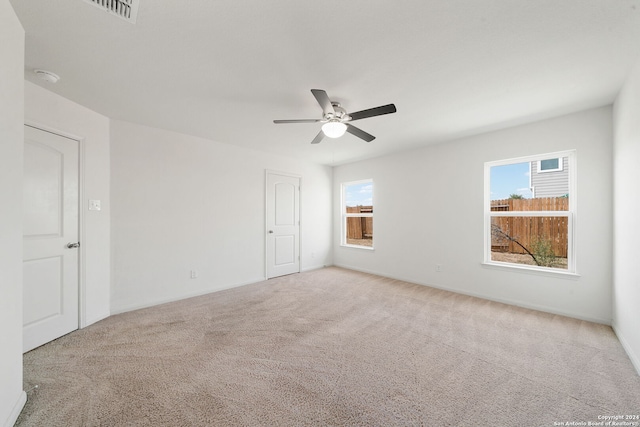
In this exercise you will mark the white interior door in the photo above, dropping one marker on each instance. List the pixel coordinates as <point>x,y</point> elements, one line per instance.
<point>283,224</point>
<point>50,236</point>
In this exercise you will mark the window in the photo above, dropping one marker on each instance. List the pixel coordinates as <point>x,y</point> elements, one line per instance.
<point>531,229</point>
<point>550,165</point>
<point>357,214</point>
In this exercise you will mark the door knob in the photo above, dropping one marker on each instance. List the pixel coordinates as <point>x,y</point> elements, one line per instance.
<point>73,245</point>
<point>270,231</point>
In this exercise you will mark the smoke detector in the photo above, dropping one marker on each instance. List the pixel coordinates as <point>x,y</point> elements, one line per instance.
<point>125,9</point>
<point>47,76</point>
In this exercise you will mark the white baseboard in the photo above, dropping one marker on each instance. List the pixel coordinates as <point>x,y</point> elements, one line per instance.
<point>315,267</point>
<point>97,319</point>
<point>17,408</point>
<point>635,358</point>
<point>517,303</point>
<point>132,307</point>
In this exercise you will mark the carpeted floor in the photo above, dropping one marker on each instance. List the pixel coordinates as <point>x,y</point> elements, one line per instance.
<point>331,347</point>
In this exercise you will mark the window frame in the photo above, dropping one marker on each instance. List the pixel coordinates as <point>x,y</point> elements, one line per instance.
<point>560,167</point>
<point>344,215</point>
<point>570,213</point>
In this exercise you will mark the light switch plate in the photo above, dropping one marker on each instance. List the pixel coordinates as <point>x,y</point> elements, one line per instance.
<point>94,205</point>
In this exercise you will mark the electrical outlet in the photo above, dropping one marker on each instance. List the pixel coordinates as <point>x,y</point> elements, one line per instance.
<point>194,274</point>
<point>94,205</point>
<point>438,268</point>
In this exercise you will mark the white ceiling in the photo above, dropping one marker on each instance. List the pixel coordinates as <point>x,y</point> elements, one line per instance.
<point>224,69</point>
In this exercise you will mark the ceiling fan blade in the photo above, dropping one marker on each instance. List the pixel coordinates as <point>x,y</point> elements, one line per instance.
<point>359,133</point>
<point>318,138</point>
<point>297,121</point>
<point>371,112</point>
<point>323,100</point>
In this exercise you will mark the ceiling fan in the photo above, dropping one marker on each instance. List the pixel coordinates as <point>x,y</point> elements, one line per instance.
<point>336,119</point>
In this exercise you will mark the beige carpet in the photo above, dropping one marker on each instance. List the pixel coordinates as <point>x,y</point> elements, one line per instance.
<point>331,347</point>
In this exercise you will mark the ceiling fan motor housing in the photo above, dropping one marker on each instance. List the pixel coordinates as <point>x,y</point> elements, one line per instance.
<point>339,114</point>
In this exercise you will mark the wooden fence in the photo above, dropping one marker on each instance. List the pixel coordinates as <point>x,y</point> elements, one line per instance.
<point>527,230</point>
<point>539,204</point>
<point>360,227</point>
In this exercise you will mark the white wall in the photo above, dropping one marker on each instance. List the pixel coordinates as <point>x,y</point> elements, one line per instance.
<point>181,203</point>
<point>429,210</point>
<point>626,289</point>
<point>58,114</point>
<point>12,398</point>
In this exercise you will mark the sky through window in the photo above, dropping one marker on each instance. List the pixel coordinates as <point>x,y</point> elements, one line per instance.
<point>359,194</point>
<point>510,179</point>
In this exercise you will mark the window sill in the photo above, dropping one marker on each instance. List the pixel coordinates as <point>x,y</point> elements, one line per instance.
<point>366,248</point>
<point>541,271</point>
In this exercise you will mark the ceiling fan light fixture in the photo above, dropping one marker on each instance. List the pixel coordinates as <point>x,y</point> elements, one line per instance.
<point>334,129</point>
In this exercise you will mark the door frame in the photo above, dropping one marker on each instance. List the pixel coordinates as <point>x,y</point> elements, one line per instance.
<point>267,172</point>
<point>82,294</point>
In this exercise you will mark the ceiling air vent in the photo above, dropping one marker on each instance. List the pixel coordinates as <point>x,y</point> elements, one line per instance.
<point>125,9</point>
